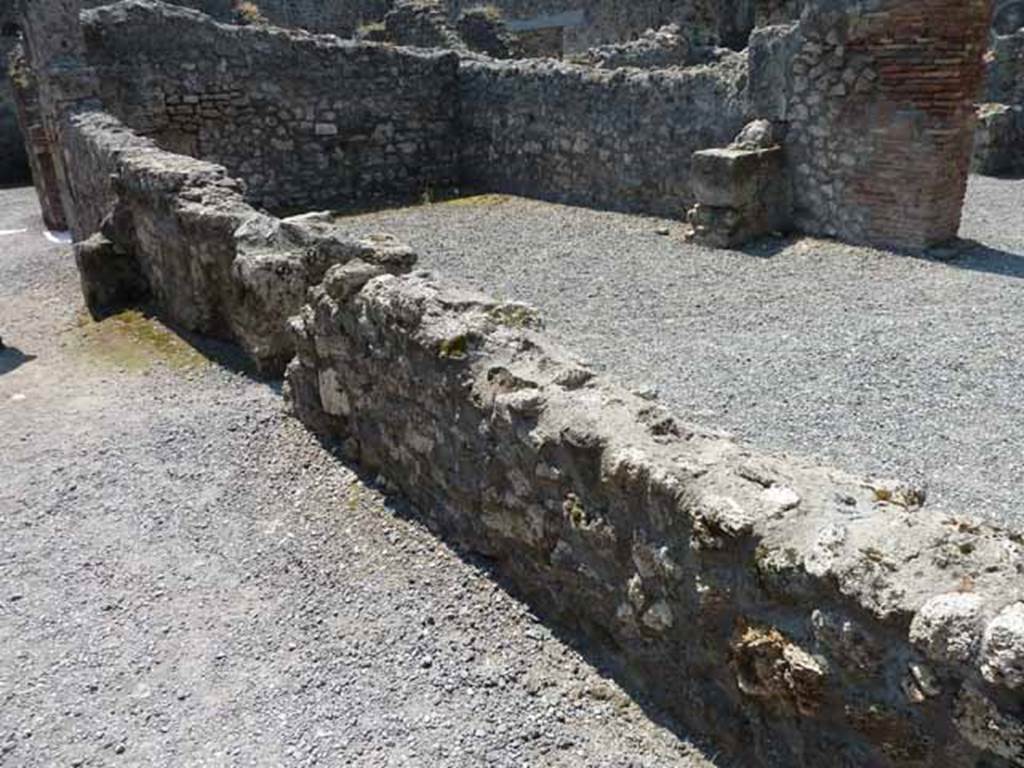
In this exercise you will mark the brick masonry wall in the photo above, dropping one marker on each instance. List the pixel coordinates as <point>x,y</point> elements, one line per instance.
<point>621,140</point>
<point>306,122</point>
<point>881,117</point>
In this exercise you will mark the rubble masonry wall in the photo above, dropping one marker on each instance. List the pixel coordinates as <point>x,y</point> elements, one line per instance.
<point>798,615</point>
<point>621,140</point>
<point>212,263</point>
<point>306,122</point>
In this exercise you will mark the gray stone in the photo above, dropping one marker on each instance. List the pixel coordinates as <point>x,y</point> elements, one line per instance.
<point>110,276</point>
<point>949,627</point>
<point>1002,652</point>
<point>608,519</point>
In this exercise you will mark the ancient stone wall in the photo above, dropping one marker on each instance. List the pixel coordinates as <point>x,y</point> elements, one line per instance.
<point>620,140</point>
<point>1005,81</point>
<point>880,112</point>
<point>668,46</point>
<point>800,616</point>
<point>588,23</point>
<point>14,167</point>
<point>37,145</point>
<point>338,17</point>
<point>209,261</point>
<point>306,122</point>
<point>999,140</point>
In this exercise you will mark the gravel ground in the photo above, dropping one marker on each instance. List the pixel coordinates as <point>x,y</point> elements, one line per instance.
<point>187,578</point>
<point>878,363</point>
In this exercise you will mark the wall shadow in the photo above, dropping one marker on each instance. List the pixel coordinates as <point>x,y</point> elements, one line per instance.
<point>978,257</point>
<point>589,642</point>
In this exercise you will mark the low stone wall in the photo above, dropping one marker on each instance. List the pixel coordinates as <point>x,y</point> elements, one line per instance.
<point>307,122</point>
<point>209,261</point>
<point>589,23</point>
<point>621,140</point>
<point>800,616</point>
<point>668,46</point>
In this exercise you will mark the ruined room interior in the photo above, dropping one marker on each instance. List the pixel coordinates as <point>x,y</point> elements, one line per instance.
<point>645,304</point>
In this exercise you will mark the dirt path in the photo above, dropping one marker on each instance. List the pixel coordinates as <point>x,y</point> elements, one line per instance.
<point>187,578</point>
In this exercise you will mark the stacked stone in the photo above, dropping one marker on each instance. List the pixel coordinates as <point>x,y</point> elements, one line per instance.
<point>177,230</point>
<point>14,167</point>
<point>999,139</point>
<point>770,12</point>
<point>619,139</point>
<point>654,49</point>
<point>307,122</point>
<point>484,30</point>
<point>421,23</point>
<point>1005,80</point>
<point>799,616</point>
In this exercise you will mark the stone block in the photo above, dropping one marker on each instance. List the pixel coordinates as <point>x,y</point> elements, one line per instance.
<point>110,276</point>
<point>735,178</point>
<point>999,140</point>
<point>741,194</point>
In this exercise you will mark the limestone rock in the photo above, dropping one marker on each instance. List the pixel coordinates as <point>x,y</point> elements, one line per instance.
<point>1002,652</point>
<point>110,276</point>
<point>949,627</point>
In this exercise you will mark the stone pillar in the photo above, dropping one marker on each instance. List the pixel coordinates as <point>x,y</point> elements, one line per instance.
<point>55,54</point>
<point>13,163</point>
<point>37,142</point>
<point>881,117</point>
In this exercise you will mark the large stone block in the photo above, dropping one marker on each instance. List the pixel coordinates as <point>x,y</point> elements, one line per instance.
<point>999,140</point>
<point>741,193</point>
<point>110,276</point>
<point>736,178</point>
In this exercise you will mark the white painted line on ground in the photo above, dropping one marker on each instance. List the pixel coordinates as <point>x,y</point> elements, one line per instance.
<point>58,237</point>
<point>12,232</point>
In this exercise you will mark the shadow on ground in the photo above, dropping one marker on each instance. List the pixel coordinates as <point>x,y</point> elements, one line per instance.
<point>12,358</point>
<point>979,257</point>
<point>590,642</point>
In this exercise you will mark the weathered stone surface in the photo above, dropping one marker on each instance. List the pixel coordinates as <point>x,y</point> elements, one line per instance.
<point>620,139</point>
<point>306,122</point>
<point>14,167</point>
<point>742,190</point>
<point>733,177</point>
<point>999,140</point>
<point>879,101</point>
<point>655,49</point>
<point>484,30</point>
<point>1002,653</point>
<point>949,627</point>
<point>110,275</point>
<point>987,727</point>
<point>1004,82</point>
<point>212,263</point>
<point>798,614</point>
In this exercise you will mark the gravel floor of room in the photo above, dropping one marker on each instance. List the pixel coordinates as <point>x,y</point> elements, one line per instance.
<point>879,363</point>
<point>188,578</point>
